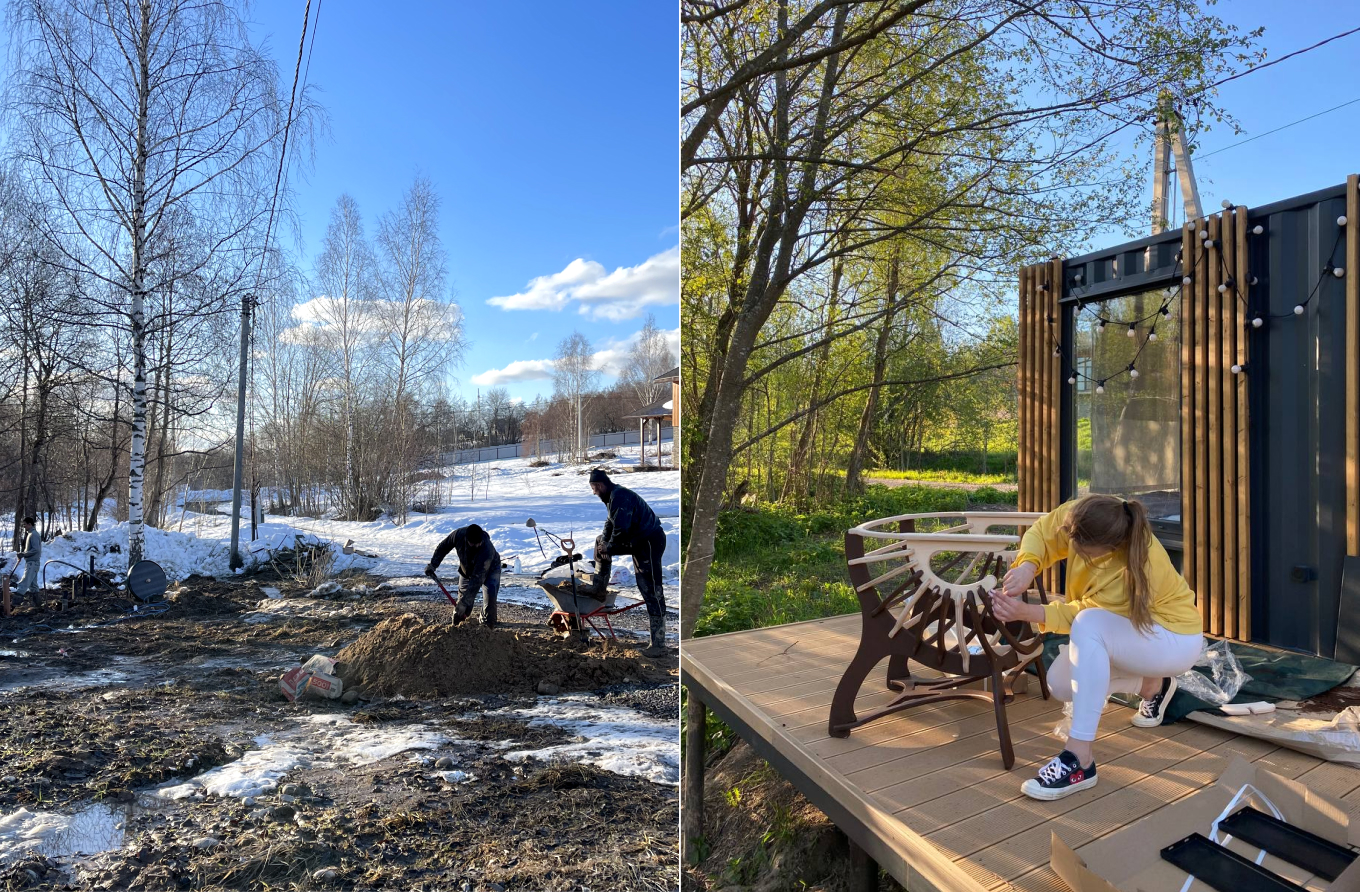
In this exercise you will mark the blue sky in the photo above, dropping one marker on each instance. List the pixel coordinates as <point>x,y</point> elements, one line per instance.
<point>1303,158</point>
<point>550,133</point>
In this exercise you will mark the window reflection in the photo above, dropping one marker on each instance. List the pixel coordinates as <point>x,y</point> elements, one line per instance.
<point>1128,437</point>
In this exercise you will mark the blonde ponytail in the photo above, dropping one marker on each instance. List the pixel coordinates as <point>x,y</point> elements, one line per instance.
<point>1135,574</point>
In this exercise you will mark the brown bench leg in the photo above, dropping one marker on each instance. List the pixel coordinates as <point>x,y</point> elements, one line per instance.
<point>843,701</point>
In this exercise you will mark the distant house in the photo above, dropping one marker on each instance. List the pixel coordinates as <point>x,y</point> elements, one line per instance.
<point>673,403</point>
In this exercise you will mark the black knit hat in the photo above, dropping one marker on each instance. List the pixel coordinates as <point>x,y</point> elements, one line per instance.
<point>475,534</point>
<point>599,476</point>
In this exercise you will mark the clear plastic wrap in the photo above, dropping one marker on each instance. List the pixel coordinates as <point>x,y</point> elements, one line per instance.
<point>1226,676</point>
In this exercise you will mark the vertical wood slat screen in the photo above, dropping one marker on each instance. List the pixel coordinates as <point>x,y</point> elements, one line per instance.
<point>1215,501</point>
<point>1040,377</point>
<point>1352,374</point>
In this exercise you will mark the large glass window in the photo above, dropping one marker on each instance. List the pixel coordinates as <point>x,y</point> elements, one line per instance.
<point>1128,436</point>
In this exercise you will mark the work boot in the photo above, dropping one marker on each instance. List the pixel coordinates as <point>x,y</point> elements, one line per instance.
<point>658,646</point>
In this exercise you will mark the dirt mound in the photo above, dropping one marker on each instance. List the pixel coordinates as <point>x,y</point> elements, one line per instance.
<point>408,656</point>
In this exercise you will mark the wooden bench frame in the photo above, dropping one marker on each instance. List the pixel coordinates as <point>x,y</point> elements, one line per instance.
<point>936,620</point>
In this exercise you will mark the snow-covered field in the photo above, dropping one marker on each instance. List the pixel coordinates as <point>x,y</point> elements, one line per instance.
<point>557,497</point>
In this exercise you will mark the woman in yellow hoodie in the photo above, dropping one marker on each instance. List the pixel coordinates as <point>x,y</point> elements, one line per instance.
<point>1131,618</point>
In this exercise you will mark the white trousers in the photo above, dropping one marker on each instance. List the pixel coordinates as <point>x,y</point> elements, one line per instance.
<point>1107,655</point>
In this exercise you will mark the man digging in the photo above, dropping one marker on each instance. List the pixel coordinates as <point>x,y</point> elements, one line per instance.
<point>632,528</point>
<point>479,565</point>
<point>31,554</point>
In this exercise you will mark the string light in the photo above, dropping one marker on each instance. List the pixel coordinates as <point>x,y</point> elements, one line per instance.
<point>1152,335</point>
<point>1166,311</point>
<point>1133,373</point>
<point>1257,322</point>
<point>1185,280</point>
<point>1133,330</point>
<point>1226,204</point>
<point>1072,378</point>
<point>1257,229</point>
<point>1203,234</point>
<point>1298,309</point>
<point>1341,221</point>
<point>1339,272</point>
<point>1100,387</point>
<point>1208,243</point>
<point>1236,369</point>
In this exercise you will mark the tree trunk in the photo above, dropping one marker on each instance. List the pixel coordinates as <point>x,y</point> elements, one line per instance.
<point>138,234</point>
<point>854,482</point>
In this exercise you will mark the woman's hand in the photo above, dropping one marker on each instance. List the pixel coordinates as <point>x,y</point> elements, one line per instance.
<point>1008,609</point>
<point>1017,581</point>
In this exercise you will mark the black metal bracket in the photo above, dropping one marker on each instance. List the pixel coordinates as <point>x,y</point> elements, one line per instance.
<point>1223,869</point>
<point>1289,843</point>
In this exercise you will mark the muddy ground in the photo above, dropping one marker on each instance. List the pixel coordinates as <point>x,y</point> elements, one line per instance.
<point>98,708</point>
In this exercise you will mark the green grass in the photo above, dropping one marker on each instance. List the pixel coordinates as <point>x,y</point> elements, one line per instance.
<point>773,566</point>
<point>944,476</point>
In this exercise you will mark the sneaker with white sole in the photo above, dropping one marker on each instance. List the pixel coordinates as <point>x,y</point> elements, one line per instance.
<point>1153,709</point>
<point>1062,776</point>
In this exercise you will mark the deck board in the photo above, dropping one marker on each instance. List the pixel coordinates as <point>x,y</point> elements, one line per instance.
<point>925,789</point>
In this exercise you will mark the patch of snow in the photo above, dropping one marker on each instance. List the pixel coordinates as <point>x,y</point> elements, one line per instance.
<point>454,777</point>
<point>97,828</point>
<point>507,493</point>
<point>616,739</point>
<point>322,740</point>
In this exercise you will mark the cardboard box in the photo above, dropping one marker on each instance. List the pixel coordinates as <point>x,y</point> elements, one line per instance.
<point>1130,859</point>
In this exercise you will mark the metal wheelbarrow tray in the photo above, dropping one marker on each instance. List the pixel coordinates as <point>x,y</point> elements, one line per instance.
<point>569,604</point>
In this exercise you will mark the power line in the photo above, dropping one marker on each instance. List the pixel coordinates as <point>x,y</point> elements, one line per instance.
<point>287,126</point>
<point>1278,129</point>
<point>1306,49</point>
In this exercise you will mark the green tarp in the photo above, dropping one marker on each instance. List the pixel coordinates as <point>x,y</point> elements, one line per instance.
<point>1275,675</point>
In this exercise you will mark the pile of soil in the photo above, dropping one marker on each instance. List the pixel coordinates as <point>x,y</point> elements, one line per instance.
<point>408,656</point>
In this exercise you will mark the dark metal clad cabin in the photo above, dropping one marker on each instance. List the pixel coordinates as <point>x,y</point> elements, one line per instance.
<point>1213,373</point>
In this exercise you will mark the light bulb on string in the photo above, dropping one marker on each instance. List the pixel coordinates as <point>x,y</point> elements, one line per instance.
<point>1057,350</point>
<point>1100,387</point>
<point>1100,324</point>
<point>1341,221</point>
<point>1236,369</point>
<point>1166,311</point>
<point>1072,379</point>
<point>1257,322</point>
<point>1185,280</point>
<point>1133,330</point>
<point>1257,229</point>
<point>1152,335</point>
<point>1208,243</point>
<point>1298,309</point>
<point>1203,234</point>
<point>1133,373</point>
<point>1226,204</point>
<point>1338,271</point>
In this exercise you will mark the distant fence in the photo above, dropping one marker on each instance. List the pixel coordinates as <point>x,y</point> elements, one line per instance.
<point>545,447</point>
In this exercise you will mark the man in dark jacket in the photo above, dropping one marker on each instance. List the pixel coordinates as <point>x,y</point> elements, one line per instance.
<point>32,557</point>
<point>479,565</point>
<point>632,528</point>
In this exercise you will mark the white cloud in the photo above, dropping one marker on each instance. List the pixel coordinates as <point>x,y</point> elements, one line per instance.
<point>622,294</point>
<point>371,318</point>
<point>519,370</point>
<point>610,357</point>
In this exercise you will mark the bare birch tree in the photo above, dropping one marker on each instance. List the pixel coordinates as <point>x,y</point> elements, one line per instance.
<point>344,272</point>
<point>574,376</point>
<point>422,330</point>
<point>136,115</point>
<point>650,358</point>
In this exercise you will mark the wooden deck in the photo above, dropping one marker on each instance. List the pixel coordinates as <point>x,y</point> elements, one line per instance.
<point>923,792</point>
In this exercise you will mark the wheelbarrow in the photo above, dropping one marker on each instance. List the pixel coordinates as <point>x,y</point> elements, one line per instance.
<point>575,607</point>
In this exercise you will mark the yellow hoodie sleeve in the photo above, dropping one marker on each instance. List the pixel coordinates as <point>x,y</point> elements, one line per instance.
<point>1044,544</point>
<point>1058,615</point>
